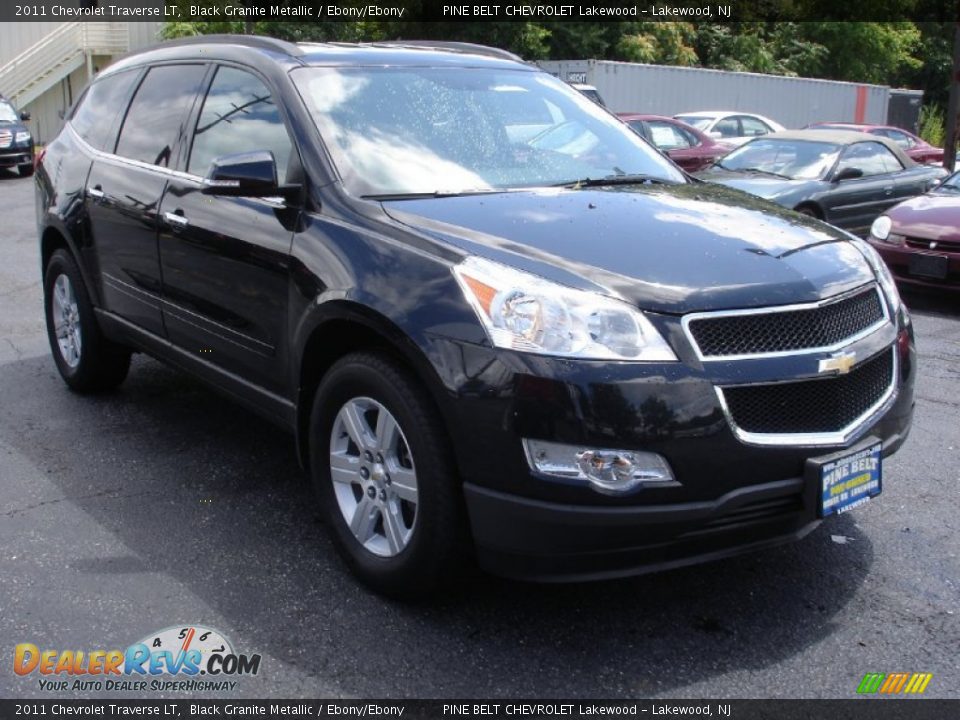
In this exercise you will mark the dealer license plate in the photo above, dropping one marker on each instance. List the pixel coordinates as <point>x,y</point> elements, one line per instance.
<point>850,480</point>
<point>931,266</point>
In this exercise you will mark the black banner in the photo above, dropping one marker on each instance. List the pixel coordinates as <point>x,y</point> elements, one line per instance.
<point>438,11</point>
<point>856,709</point>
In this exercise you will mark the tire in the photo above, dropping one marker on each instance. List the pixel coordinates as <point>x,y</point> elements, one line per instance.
<point>87,361</point>
<point>809,211</point>
<point>406,533</point>
<point>26,170</point>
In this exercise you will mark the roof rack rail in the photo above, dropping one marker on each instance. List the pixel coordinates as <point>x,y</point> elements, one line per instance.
<point>461,47</point>
<point>256,41</point>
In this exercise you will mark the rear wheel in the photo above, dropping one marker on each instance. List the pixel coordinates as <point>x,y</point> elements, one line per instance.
<point>87,361</point>
<point>384,476</point>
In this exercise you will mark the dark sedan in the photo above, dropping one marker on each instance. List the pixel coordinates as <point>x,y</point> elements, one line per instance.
<point>918,149</point>
<point>845,178</point>
<point>920,239</point>
<point>688,147</point>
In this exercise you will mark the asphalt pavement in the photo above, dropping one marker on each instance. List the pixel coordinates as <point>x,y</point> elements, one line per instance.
<point>162,505</point>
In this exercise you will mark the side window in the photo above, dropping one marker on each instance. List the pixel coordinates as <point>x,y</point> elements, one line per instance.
<point>900,138</point>
<point>753,127</point>
<point>870,157</point>
<point>728,127</point>
<point>239,115</point>
<point>156,118</point>
<point>95,117</point>
<point>667,137</point>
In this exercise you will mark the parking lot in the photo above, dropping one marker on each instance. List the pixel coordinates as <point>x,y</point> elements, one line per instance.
<point>164,505</point>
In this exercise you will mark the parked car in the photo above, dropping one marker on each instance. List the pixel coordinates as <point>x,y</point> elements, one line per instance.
<point>16,141</point>
<point>688,147</point>
<point>919,150</point>
<point>567,363</point>
<point>731,127</point>
<point>589,91</point>
<point>845,178</point>
<point>920,238</point>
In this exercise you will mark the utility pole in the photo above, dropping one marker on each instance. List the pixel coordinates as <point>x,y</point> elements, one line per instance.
<point>953,106</point>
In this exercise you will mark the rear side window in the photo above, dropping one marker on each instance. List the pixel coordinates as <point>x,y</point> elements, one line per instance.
<point>95,117</point>
<point>155,121</point>
<point>239,115</point>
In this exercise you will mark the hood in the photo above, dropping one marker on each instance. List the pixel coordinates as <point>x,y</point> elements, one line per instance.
<point>934,216</point>
<point>666,248</point>
<point>765,186</point>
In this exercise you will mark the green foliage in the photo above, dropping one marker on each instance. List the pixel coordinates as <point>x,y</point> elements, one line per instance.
<point>665,43</point>
<point>932,126</point>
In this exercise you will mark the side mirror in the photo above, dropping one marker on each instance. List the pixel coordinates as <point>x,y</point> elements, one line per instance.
<point>848,173</point>
<point>252,174</point>
<point>25,116</point>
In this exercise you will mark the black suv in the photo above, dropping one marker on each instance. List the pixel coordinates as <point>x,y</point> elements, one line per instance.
<point>16,142</point>
<point>498,322</point>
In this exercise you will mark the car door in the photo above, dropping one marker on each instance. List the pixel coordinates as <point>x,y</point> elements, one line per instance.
<point>124,189</point>
<point>225,260</point>
<point>854,203</point>
<point>679,145</point>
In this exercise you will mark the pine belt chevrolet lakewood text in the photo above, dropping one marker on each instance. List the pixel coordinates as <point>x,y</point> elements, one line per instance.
<point>498,322</point>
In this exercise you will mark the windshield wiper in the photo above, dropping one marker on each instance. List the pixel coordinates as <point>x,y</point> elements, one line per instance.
<point>433,194</point>
<point>763,172</point>
<point>623,179</point>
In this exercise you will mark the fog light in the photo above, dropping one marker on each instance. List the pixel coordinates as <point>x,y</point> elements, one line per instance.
<point>608,471</point>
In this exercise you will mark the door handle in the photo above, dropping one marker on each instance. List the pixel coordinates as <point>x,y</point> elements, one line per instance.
<point>176,219</point>
<point>888,189</point>
<point>96,192</point>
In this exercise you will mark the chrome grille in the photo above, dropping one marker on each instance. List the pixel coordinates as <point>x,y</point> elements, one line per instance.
<point>817,326</point>
<point>813,407</point>
<point>6,138</point>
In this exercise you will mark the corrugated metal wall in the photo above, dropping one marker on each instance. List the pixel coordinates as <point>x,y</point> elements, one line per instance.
<point>665,90</point>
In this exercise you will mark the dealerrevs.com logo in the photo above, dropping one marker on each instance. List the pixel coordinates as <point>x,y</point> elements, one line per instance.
<point>189,659</point>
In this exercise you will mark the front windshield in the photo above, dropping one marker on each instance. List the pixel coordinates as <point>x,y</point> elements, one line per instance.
<point>952,183</point>
<point>416,130</point>
<point>7,113</point>
<point>700,122</point>
<point>793,159</point>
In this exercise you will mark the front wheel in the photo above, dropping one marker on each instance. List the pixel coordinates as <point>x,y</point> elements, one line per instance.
<point>382,470</point>
<point>87,361</point>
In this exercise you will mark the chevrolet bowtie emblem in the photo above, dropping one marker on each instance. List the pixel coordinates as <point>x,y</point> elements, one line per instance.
<point>840,364</point>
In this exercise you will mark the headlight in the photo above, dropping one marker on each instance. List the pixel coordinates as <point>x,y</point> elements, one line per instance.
<point>23,137</point>
<point>881,227</point>
<point>880,230</point>
<point>524,312</point>
<point>882,272</point>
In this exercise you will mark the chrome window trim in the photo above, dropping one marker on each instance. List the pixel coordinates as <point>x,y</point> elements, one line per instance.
<point>771,310</point>
<point>838,437</point>
<point>114,158</point>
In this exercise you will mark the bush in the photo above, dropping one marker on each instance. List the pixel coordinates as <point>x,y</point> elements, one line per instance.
<point>932,125</point>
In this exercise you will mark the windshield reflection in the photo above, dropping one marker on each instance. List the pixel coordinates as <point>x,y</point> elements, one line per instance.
<point>414,131</point>
<point>792,159</point>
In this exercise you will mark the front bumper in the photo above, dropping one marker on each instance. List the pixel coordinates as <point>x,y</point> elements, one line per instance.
<point>898,257</point>
<point>549,542</point>
<point>731,496</point>
<point>12,157</point>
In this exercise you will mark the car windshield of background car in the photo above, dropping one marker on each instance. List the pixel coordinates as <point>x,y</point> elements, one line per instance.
<point>794,159</point>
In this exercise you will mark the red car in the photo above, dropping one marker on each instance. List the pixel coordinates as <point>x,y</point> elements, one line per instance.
<point>920,238</point>
<point>920,151</point>
<point>688,147</point>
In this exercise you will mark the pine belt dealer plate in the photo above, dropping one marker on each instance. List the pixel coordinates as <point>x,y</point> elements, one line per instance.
<point>850,480</point>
